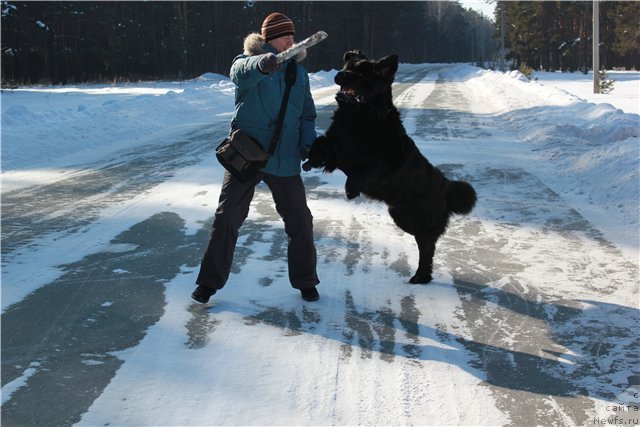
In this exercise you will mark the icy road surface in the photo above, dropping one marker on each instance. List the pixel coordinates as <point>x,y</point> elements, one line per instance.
<point>532,318</point>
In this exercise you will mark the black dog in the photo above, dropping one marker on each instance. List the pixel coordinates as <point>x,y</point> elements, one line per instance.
<point>367,141</point>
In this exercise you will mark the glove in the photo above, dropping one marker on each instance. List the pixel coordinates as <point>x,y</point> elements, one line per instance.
<point>268,63</point>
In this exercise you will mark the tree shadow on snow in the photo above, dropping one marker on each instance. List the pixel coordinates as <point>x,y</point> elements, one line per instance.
<point>587,348</point>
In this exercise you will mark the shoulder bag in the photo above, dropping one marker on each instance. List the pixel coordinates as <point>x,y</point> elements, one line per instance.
<point>241,154</point>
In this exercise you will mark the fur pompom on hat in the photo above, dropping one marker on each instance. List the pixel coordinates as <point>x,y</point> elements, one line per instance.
<point>277,25</point>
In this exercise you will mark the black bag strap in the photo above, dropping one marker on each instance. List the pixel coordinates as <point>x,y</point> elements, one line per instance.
<point>290,78</point>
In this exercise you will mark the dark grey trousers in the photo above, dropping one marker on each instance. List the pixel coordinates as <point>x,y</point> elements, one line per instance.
<point>233,207</point>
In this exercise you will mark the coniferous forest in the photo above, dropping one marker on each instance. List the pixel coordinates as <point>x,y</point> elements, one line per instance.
<point>557,35</point>
<point>71,42</point>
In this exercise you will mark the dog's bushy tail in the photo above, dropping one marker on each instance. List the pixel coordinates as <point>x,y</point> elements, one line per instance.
<point>461,197</point>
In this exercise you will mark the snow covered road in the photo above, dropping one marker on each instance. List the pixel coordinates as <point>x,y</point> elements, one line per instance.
<point>531,319</point>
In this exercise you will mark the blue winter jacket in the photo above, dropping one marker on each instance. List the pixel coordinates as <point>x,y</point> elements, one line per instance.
<point>257,103</point>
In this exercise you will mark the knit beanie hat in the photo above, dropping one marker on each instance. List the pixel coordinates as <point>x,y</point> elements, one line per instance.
<point>277,25</point>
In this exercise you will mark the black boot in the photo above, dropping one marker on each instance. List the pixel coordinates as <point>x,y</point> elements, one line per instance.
<point>310,294</point>
<point>202,294</point>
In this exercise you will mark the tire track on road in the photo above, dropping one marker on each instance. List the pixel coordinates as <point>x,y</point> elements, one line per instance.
<point>68,204</point>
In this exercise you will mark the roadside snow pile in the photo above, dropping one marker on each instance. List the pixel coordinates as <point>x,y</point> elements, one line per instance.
<point>592,150</point>
<point>322,79</point>
<point>517,75</point>
<point>624,96</point>
<point>89,118</point>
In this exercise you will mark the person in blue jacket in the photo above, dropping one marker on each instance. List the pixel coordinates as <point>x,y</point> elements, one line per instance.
<point>260,87</point>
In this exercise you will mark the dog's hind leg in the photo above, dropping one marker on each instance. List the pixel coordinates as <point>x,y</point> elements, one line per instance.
<point>427,247</point>
<point>406,219</point>
<point>352,187</point>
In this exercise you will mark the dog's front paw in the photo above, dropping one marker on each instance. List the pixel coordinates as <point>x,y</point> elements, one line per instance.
<point>316,155</point>
<point>312,163</point>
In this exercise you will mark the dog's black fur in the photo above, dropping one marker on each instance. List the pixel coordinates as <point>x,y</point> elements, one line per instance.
<point>367,141</point>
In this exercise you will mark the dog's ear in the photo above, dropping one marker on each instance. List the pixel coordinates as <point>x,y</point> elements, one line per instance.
<point>387,66</point>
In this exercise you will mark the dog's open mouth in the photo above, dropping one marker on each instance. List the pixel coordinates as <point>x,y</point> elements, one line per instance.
<point>347,91</point>
<point>348,94</point>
